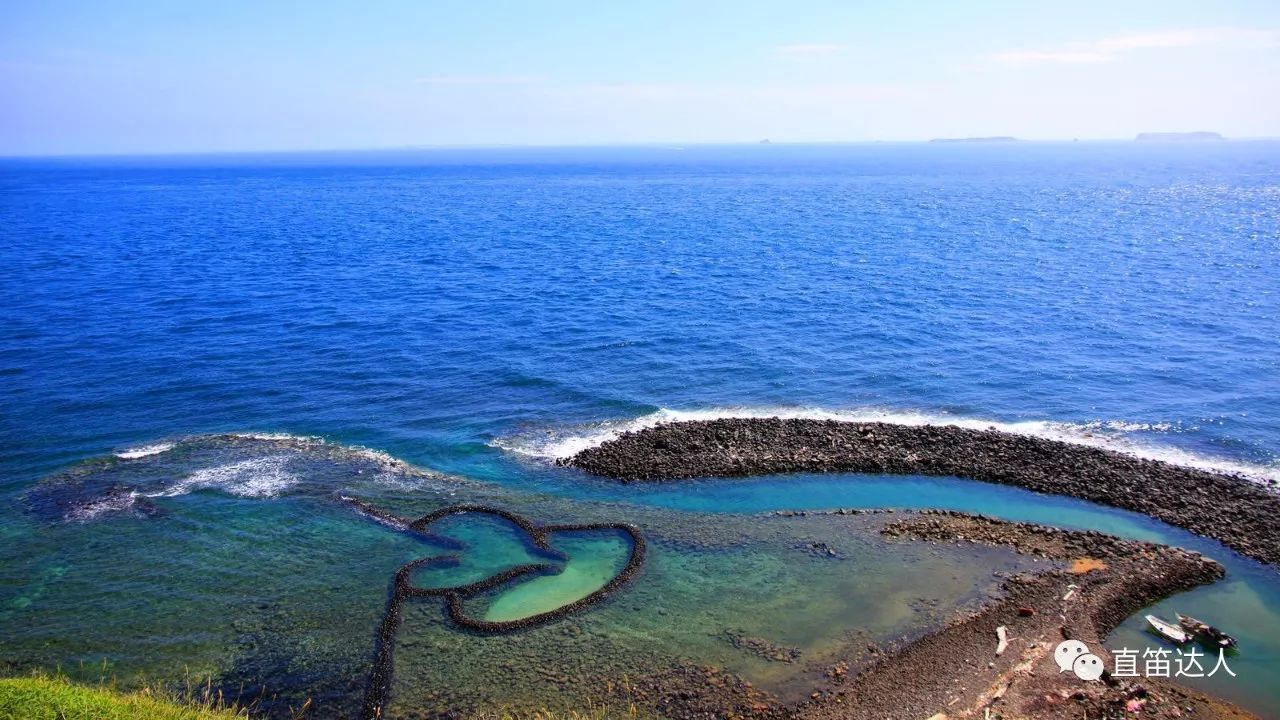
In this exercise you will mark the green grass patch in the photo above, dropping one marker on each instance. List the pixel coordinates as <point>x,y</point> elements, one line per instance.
<point>56,697</point>
<point>42,697</point>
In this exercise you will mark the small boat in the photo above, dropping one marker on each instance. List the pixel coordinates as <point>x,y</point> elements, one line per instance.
<point>1168,630</point>
<point>1205,632</point>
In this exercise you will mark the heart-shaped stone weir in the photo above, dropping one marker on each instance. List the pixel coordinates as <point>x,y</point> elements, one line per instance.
<point>532,593</point>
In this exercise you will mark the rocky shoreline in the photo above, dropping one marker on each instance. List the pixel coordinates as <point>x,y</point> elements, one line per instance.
<point>1236,511</point>
<point>1089,583</point>
<point>957,671</point>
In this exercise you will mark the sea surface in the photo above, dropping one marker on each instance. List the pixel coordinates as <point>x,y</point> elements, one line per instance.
<point>200,354</point>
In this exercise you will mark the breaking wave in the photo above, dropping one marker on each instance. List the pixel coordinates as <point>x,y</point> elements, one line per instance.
<point>142,451</point>
<point>1116,435</point>
<point>246,465</point>
<point>111,503</point>
<point>256,478</point>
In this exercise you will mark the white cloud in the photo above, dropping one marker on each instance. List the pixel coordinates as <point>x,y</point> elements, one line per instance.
<point>1028,57</point>
<point>730,101</point>
<point>1200,37</point>
<point>1146,41</point>
<point>1112,48</point>
<point>634,91</point>
<point>810,49</point>
<point>477,80</point>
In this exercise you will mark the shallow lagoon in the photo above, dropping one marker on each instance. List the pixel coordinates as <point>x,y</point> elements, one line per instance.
<point>592,563</point>
<point>291,588</point>
<point>1248,600</point>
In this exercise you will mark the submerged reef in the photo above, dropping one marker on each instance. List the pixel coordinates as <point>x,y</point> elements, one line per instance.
<point>130,482</point>
<point>1236,511</point>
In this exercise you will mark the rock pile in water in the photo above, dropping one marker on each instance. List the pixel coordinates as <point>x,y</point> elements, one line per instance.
<point>1240,513</point>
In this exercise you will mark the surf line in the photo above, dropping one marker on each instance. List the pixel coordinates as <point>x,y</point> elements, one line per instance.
<point>378,686</point>
<point>1233,510</point>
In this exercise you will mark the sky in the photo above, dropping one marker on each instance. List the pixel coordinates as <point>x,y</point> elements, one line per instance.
<point>138,76</point>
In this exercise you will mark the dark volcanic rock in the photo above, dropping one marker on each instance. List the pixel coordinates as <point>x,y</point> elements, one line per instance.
<point>956,672</point>
<point>760,647</point>
<point>1242,514</point>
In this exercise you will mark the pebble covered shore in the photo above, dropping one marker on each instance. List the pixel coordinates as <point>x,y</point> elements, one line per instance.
<point>959,671</point>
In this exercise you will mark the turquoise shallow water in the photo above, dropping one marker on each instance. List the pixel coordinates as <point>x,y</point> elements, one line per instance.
<point>1249,598</point>
<point>481,313</point>
<point>285,588</point>
<point>288,590</point>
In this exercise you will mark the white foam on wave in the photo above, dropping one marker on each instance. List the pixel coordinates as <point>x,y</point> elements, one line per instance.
<point>116,502</point>
<point>268,477</point>
<point>1116,435</point>
<point>386,462</point>
<point>278,436</point>
<point>262,477</point>
<point>142,451</point>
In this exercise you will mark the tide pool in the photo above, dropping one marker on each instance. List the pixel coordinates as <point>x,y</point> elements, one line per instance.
<point>592,563</point>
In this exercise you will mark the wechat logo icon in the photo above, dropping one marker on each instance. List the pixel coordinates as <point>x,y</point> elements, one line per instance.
<point>1074,655</point>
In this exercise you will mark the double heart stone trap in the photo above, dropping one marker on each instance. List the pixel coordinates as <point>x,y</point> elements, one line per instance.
<point>378,688</point>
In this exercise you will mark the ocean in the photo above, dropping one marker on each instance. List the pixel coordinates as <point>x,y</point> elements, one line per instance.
<point>480,313</point>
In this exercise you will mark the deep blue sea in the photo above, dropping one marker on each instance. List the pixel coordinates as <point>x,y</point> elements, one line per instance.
<point>427,303</point>
<point>479,312</point>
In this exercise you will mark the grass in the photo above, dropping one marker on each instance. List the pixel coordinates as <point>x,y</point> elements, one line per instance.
<point>54,697</point>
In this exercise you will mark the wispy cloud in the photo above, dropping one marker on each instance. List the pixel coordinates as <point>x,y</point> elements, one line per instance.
<point>810,49</point>
<point>477,80</point>
<point>1030,57</point>
<point>1203,37</point>
<point>784,95</point>
<point>1112,48</point>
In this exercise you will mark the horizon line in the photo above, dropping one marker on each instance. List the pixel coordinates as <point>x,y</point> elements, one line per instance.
<point>655,144</point>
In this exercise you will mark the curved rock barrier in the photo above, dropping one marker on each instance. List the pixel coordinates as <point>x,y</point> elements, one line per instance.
<point>378,686</point>
<point>1241,514</point>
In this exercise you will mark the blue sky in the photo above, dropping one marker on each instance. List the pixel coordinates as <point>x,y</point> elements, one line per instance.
<point>136,76</point>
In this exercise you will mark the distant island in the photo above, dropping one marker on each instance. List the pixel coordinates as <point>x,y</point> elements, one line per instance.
<point>993,139</point>
<point>1178,136</point>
